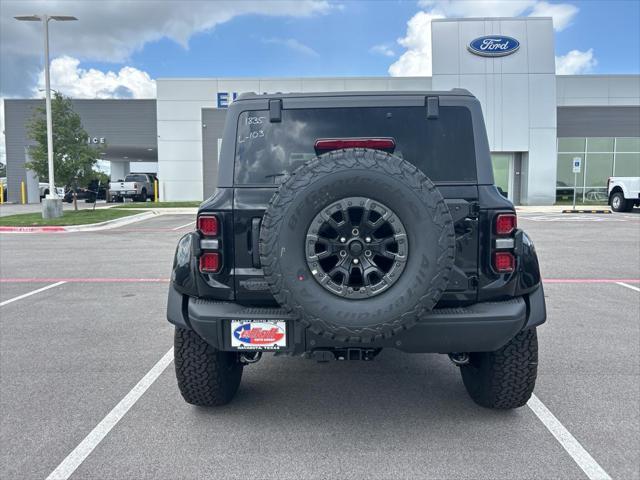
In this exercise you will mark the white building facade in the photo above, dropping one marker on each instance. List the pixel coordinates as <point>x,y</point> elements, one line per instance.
<point>537,123</point>
<point>519,92</point>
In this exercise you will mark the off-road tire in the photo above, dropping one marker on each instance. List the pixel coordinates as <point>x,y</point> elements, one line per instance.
<point>387,179</point>
<point>206,376</point>
<point>143,195</point>
<point>504,379</point>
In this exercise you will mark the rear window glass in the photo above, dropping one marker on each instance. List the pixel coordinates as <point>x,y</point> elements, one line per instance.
<point>136,178</point>
<point>442,148</point>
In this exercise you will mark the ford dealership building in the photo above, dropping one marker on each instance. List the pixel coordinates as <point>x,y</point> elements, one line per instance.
<point>537,122</point>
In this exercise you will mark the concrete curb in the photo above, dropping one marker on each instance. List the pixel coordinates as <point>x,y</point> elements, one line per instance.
<point>92,227</point>
<point>582,210</point>
<point>166,211</point>
<point>109,224</point>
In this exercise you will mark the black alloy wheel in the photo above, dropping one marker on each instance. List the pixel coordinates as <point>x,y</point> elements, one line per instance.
<point>356,248</point>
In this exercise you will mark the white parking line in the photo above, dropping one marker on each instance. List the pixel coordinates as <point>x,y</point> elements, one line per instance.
<point>28,294</point>
<point>185,225</point>
<point>628,286</point>
<point>91,441</point>
<point>585,461</point>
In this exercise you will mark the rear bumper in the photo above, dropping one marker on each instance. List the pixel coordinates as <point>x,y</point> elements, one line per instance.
<point>123,193</point>
<point>480,327</point>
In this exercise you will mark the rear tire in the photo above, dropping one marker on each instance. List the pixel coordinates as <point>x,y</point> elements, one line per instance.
<point>504,379</point>
<point>206,376</point>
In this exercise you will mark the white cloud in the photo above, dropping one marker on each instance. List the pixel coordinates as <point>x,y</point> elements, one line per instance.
<point>383,49</point>
<point>416,60</point>
<point>110,31</point>
<point>69,79</point>
<point>292,44</point>
<point>478,8</point>
<point>576,62</point>
<point>562,13</point>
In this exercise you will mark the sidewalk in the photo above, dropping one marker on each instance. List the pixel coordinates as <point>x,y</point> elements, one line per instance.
<point>557,208</point>
<point>17,208</point>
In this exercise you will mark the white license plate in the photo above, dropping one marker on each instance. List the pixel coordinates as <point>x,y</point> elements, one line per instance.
<point>258,334</point>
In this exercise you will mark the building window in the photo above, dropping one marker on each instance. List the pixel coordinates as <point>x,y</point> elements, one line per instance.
<point>602,157</point>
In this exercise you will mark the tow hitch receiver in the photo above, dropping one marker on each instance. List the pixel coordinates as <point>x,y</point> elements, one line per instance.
<point>366,354</point>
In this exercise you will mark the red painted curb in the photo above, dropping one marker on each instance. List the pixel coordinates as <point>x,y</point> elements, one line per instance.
<point>33,229</point>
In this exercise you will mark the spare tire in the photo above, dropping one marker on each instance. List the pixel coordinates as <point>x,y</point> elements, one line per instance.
<point>357,243</point>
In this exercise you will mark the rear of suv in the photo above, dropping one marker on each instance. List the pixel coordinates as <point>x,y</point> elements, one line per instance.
<point>345,223</point>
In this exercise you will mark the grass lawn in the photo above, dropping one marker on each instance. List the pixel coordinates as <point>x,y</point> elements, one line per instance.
<point>158,204</point>
<point>81,217</point>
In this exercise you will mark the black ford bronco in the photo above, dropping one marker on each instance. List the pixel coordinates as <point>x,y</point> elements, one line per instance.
<point>345,223</point>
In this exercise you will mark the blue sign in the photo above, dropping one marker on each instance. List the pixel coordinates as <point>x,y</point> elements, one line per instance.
<point>224,100</point>
<point>493,46</point>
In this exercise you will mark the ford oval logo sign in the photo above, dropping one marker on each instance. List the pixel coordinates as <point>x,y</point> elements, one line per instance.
<point>494,46</point>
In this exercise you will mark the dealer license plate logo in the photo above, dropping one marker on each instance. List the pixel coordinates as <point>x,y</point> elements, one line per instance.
<point>256,334</point>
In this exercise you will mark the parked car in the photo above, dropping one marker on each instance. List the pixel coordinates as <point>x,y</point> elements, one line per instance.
<point>136,186</point>
<point>623,193</point>
<point>93,192</point>
<point>563,191</point>
<point>353,235</point>
<point>44,190</point>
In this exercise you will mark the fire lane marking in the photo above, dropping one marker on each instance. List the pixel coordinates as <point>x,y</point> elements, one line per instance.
<point>85,280</point>
<point>167,279</point>
<point>33,292</point>
<point>93,439</point>
<point>585,461</point>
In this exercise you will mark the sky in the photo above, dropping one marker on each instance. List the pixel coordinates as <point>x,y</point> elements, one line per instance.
<point>118,48</point>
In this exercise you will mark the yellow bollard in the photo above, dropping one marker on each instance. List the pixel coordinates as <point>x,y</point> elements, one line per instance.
<point>1,193</point>
<point>155,190</point>
<point>23,192</point>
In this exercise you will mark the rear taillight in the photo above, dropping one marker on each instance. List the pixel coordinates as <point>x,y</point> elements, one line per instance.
<point>211,258</point>
<point>504,262</point>
<point>503,259</point>
<point>506,223</point>
<point>328,144</point>
<point>210,262</point>
<point>208,225</point>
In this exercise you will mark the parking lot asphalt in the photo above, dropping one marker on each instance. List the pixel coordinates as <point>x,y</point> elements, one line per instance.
<point>69,354</point>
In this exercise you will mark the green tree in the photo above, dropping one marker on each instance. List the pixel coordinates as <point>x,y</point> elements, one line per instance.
<point>73,157</point>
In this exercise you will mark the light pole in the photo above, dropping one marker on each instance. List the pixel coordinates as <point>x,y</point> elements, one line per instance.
<point>51,205</point>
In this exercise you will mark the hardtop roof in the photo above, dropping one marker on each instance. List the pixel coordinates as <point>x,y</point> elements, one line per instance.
<point>459,92</point>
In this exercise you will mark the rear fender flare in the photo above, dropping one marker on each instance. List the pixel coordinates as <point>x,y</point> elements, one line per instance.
<point>184,271</point>
<point>529,277</point>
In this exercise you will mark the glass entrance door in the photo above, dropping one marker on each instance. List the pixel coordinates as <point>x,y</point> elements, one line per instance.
<point>503,172</point>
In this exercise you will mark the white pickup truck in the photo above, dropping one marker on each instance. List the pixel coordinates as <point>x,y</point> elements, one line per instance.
<point>137,186</point>
<point>624,193</point>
